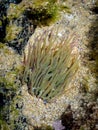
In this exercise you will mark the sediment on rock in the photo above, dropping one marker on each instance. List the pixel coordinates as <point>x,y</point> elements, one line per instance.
<point>78,107</point>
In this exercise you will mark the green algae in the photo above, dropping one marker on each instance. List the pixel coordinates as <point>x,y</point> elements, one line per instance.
<point>44,15</point>
<point>0,23</point>
<point>12,32</point>
<point>38,13</point>
<point>5,49</point>
<point>2,45</point>
<point>9,71</point>
<point>43,12</point>
<point>82,128</point>
<point>44,127</point>
<point>9,81</point>
<point>15,11</point>
<point>10,91</point>
<point>10,106</point>
<point>4,125</point>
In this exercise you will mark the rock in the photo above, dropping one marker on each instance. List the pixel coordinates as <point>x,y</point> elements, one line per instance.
<point>22,111</point>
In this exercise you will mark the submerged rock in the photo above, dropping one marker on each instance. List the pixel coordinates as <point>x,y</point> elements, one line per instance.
<point>25,15</point>
<point>15,1</point>
<point>18,109</point>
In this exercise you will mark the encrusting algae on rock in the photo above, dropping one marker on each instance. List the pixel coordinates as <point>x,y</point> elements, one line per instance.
<point>10,89</point>
<point>27,98</point>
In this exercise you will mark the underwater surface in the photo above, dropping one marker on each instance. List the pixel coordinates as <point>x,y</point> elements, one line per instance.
<point>48,65</point>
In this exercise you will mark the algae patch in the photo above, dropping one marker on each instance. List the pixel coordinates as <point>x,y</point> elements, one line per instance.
<point>12,32</point>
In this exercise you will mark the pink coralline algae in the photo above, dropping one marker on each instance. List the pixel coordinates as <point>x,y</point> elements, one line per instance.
<point>57,125</point>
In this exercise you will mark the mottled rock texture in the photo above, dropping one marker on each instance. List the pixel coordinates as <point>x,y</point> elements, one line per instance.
<point>77,108</point>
